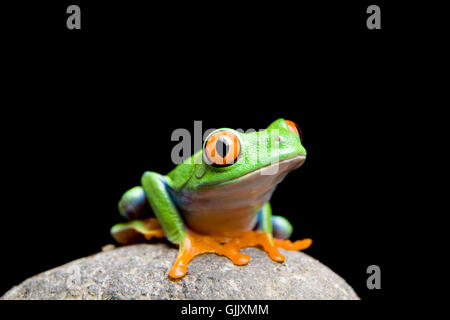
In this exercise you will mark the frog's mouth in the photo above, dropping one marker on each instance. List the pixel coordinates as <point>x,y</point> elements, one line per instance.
<point>270,174</point>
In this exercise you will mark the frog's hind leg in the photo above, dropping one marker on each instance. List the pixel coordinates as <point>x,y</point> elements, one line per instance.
<point>136,231</point>
<point>134,204</point>
<point>142,225</point>
<point>281,228</point>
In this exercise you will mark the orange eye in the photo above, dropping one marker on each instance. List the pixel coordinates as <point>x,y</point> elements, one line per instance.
<point>222,148</point>
<point>294,128</point>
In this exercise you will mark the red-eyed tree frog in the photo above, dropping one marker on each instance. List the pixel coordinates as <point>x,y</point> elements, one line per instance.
<point>217,201</point>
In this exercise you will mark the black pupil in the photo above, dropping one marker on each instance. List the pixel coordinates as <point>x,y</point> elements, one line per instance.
<point>222,147</point>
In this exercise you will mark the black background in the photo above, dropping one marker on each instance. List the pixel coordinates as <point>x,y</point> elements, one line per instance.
<point>92,109</point>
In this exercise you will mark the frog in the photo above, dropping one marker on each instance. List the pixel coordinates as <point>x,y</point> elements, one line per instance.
<point>218,200</point>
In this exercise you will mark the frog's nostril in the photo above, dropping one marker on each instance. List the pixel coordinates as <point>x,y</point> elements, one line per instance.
<point>279,139</point>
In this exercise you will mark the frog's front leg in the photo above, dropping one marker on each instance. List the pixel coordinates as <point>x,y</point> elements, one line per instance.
<point>190,244</point>
<point>155,186</point>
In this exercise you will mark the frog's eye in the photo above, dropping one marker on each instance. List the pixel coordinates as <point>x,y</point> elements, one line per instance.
<point>293,127</point>
<point>222,148</point>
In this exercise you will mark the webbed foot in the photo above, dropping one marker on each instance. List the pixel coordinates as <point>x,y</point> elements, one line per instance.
<point>195,244</point>
<point>137,231</point>
<point>269,244</point>
<point>295,246</point>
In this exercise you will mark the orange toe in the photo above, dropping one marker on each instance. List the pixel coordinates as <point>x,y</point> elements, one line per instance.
<point>297,245</point>
<point>177,271</point>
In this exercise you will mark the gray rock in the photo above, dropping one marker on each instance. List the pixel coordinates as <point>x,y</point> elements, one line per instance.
<point>140,272</point>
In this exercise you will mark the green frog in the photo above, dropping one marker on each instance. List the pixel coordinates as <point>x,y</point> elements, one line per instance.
<point>218,200</point>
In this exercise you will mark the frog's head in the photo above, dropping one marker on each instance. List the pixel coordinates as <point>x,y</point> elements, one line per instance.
<point>229,155</point>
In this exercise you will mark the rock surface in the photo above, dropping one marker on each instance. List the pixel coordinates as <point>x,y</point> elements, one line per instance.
<point>140,272</point>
